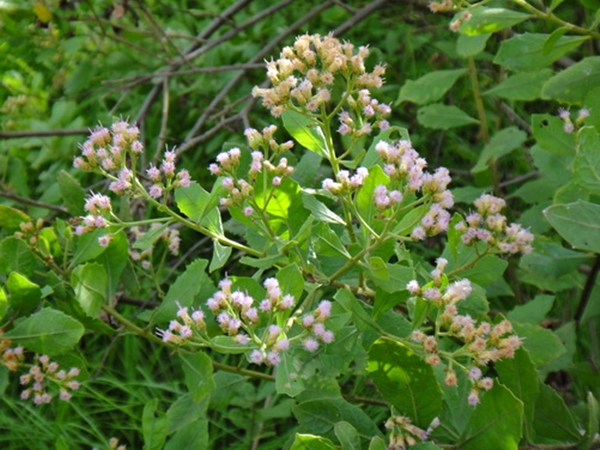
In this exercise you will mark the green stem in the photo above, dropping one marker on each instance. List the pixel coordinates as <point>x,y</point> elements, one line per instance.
<point>550,17</point>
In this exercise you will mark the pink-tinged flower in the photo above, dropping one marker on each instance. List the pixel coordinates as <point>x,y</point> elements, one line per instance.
<point>287,302</point>
<point>310,344</point>
<point>564,114</point>
<point>281,345</point>
<point>64,396</point>
<point>273,358</point>
<point>257,357</point>
<point>153,173</point>
<point>413,287</point>
<point>473,398</point>
<point>137,147</point>
<point>475,373</point>
<point>155,191</point>
<point>486,383</point>
<point>104,241</point>
<point>183,178</point>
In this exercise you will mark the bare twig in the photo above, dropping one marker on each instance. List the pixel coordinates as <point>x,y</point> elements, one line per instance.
<point>28,201</point>
<point>44,133</point>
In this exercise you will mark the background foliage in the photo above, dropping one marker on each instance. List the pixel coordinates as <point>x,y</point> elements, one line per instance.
<point>482,101</point>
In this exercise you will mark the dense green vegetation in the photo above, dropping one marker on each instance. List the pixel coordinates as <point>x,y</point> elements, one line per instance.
<point>175,274</point>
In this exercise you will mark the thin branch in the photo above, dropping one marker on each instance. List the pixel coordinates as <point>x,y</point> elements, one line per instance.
<point>44,133</point>
<point>587,290</point>
<point>28,201</point>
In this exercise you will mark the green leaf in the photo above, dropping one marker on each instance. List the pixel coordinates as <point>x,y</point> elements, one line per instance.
<point>184,411</point>
<point>328,242</point>
<point>443,117</point>
<point>188,424</point>
<point>114,259</point>
<point>148,239</point>
<point>198,204</point>
<point>183,290</point>
<point>3,304</point>
<point>586,166</point>
<point>496,423</point>
<point>25,296</point>
<point>471,45</point>
<point>90,284</point>
<point>525,52</point>
<point>15,255</point>
<point>319,210</point>
<point>305,131</point>
<point>578,223</point>
<point>532,312</point>
<point>520,376</point>
<point>572,84</point>
<point>11,218</point>
<point>553,39</point>
<point>87,247</point>
<point>287,379</point>
<point>501,144</point>
<point>490,20</point>
<point>291,281</point>
<point>155,426</point>
<point>389,277</point>
<point>430,87</point>
<point>543,345</point>
<point>360,317</point>
<point>553,419</point>
<point>485,271</point>
<point>48,331</point>
<point>525,86</point>
<point>197,369</point>
<point>377,444</point>
<point>364,199</point>
<point>220,256</point>
<point>550,135</point>
<point>320,416</point>
<point>311,442</point>
<point>347,435</point>
<point>405,381</point>
<point>72,193</point>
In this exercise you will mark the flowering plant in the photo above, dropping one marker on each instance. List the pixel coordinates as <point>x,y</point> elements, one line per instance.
<point>339,260</point>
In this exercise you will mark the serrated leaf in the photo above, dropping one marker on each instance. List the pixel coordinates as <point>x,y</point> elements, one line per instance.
<point>573,84</point>
<point>443,117</point>
<point>543,345</point>
<point>220,256</point>
<point>496,423</point>
<point>430,87</point>
<point>525,52</point>
<point>48,331</point>
<point>586,166</point>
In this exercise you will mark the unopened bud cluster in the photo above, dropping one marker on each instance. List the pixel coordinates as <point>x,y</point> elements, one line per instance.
<point>111,152</point>
<point>44,379</point>
<point>489,226</point>
<point>483,342</point>
<point>404,434</point>
<point>406,169</point>
<point>265,158</point>
<point>46,376</point>
<point>260,326</point>
<point>169,236</point>
<point>346,183</point>
<point>306,72</point>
